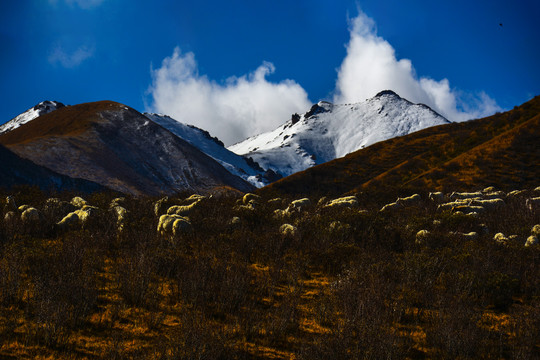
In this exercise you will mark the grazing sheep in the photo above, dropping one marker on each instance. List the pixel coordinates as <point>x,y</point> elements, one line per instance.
<point>322,201</point>
<point>500,239</point>
<point>344,202</point>
<point>195,197</point>
<point>422,237</point>
<point>288,230</point>
<point>516,193</point>
<point>533,203</point>
<point>117,202</point>
<point>458,195</point>
<point>23,208</point>
<point>161,206</point>
<point>56,208</point>
<point>69,221</point>
<point>182,210</point>
<point>472,236</point>
<point>10,204</point>
<point>10,217</point>
<point>536,189</point>
<point>121,216</point>
<point>249,198</point>
<point>453,204</point>
<point>494,195</point>
<point>491,204</point>
<point>489,189</point>
<point>173,225</point>
<point>410,200</point>
<point>299,205</point>
<point>235,221</point>
<point>78,202</point>
<point>437,197</point>
<point>30,215</point>
<point>531,240</point>
<point>391,207</point>
<point>536,230</point>
<point>468,209</point>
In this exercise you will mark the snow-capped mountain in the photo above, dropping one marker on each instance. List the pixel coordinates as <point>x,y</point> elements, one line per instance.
<point>213,147</point>
<point>42,108</point>
<point>329,131</point>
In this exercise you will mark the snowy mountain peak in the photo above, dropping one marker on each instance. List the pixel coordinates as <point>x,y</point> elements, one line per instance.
<point>243,167</point>
<point>387,93</point>
<point>42,108</point>
<point>328,131</point>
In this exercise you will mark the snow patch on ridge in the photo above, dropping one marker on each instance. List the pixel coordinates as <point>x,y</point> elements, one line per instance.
<point>42,108</point>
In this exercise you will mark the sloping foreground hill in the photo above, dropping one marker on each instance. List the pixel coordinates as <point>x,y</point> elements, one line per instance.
<point>117,147</point>
<point>501,150</point>
<point>15,170</point>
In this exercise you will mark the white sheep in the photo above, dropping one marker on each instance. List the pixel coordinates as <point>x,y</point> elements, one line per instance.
<point>195,197</point>
<point>299,205</point>
<point>410,200</point>
<point>173,225</point>
<point>533,203</point>
<point>78,202</point>
<point>489,189</point>
<point>489,204</point>
<point>117,202</point>
<point>391,207</point>
<point>182,210</point>
<point>468,209</point>
<point>57,208</point>
<point>250,198</point>
<point>235,221</point>
<point>23,208</point>
<point>121,216</point>
<point>160,206</point>
<point>472,236</point>
<point>437,197</point>
<point>500,238</point>
<point>9,217</point>
<point>458,195</point>
<point>422,237</point>
<point>516,193</point>
<point>288,230</point>
<point>343,202</point>
<point>68,221</point>
<point>536,230</point>
<point>30,215</point>
<point>10,203</point>
<point>531,241</point>
<point>453,204</point>
<point>280,214</point>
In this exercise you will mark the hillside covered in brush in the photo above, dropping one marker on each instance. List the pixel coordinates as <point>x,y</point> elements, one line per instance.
<point>500,150</point>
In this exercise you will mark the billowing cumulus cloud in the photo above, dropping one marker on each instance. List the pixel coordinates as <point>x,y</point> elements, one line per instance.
<point>371,66</point>
<point>70,59</point>
<point>238,108</point>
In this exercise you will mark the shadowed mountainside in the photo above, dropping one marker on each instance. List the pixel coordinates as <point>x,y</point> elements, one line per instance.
<point>15,170</point>
<point>501,150</point>
<point>117,147</point>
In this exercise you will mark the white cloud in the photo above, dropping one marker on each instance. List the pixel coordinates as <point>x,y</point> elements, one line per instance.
<point>238,108</point>
<point>371,66</point>
<point>70,59</point>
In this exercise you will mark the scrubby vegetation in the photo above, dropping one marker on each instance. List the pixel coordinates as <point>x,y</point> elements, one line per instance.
<point>347,284</point>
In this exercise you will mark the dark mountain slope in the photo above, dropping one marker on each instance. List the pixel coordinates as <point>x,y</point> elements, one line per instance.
<point>500,150</point>
<point>15,170</point>
<point>118,147</point>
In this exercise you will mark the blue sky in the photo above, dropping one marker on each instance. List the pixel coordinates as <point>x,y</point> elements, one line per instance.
<point>240,67</point>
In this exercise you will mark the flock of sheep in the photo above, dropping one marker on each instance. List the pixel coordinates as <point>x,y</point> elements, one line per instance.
<point>173,216</point>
